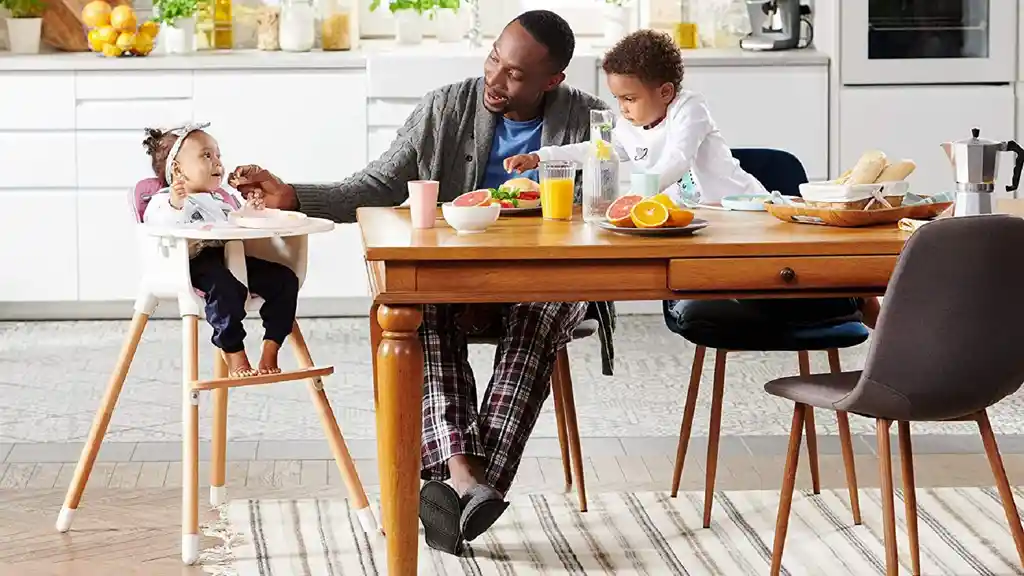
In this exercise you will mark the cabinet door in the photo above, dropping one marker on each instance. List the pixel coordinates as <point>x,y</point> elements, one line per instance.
<point>765,107</point>
<point>39,256</point>
<point>912,121</point>
<point>108,265</point>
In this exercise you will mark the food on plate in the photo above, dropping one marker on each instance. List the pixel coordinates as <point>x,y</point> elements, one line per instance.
<point>897,171</point>
<point>515,193</point>
<point>868,168</point>
<point>677,217</point>
<point>649,214</point>
<point>96,14</point>
<point>618,214</point>
<point>123,19</point>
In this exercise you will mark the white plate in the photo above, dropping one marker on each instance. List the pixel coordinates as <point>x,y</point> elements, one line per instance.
<point>697,224</point>
<point>267,219</point>
<point>520,211</point>
<point>746,202</point>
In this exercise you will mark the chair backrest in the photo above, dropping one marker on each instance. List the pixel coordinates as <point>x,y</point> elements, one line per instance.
<point>949,340</point>
<point>774,169</point>
<point>146,189</point>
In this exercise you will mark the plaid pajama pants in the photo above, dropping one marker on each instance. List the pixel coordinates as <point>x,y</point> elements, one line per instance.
<point>530,337</point>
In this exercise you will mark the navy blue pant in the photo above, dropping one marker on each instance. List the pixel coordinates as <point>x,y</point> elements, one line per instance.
<point>225,297</point>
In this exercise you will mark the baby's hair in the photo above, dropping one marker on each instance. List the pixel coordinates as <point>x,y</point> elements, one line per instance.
<point>649,55</point>
<point>158,145</point>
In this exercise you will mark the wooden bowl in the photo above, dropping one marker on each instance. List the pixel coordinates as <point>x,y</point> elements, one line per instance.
<point>801,213</point>
<point>62,24</point>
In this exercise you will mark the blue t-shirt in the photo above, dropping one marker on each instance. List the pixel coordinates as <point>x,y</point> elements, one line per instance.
<point>511,138</point>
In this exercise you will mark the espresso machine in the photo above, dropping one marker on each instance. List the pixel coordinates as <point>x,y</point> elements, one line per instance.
<point>975,163</point>
<point>776,24</point>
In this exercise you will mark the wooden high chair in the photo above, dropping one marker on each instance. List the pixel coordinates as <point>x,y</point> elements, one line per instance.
<point>165,258</point>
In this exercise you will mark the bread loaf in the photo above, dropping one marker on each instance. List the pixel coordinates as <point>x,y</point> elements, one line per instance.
<point>897,171</point>
<point>868,168</point>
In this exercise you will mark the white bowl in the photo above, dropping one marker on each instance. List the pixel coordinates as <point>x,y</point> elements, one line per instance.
<point>469,219</point>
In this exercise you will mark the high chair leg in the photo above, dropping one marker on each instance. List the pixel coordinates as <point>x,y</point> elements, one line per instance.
<point>190,441</point>
<point>101,421</point>
<point>334,438</point>
<point>218,455</point>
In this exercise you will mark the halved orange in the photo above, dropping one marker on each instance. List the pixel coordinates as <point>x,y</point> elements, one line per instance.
<point>677,217</point>
<point>649,214</point>
<point>664,200</point>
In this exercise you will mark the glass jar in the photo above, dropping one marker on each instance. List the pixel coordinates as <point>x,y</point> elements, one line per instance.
<point>686,32</point>
<point>601,170</point>
<point>268,27</point>
<point>297,26</point>
<point>214,25</point>
<point>335,26</point>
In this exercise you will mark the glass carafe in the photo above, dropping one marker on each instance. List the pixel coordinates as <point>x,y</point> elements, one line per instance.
<point>297,28</point>
<point>601,170</point>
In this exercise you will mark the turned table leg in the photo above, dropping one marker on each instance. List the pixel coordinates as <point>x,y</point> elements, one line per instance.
<point>399,432</point>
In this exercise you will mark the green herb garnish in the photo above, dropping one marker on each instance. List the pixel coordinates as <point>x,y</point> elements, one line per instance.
<point>510,194</point>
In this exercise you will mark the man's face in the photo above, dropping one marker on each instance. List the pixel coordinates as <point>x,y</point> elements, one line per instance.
<point>517,72</point>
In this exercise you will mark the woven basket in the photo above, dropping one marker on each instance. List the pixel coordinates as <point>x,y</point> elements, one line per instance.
<point>801,213</point>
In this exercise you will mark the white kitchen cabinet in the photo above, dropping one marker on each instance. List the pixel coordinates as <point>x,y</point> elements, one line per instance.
<point>302,125</point>
<point>783,107</point>
<point>111,158</point>
<point>912,121</point>
<point>39,255</point>
<point>37,159</point>
<point>37,101</point>
<point>108,264</point>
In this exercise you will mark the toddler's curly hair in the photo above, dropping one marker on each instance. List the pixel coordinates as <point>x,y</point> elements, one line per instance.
<point>649,55</point>
<point>158,145</point>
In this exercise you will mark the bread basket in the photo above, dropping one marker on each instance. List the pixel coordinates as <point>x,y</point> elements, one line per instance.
<point>880,195</point>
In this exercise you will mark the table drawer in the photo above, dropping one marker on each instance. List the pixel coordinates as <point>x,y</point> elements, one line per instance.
<point>795,273</point>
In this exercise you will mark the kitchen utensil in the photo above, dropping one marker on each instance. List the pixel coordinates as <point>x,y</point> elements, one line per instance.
<point>423,203</point>
<point>975,162</point>
<point>470,219</point>
<point>696,224</point>
<point>746,202</point>
<point>776,25</point>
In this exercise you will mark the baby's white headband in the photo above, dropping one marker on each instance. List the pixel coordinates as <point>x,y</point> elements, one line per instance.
<point>181,132</point>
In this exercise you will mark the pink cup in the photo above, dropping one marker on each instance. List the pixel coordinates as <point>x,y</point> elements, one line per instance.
<point>423,203</point>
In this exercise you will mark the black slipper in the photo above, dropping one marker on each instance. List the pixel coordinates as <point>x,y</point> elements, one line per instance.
<point>481,507</point>
<point>440,514</point>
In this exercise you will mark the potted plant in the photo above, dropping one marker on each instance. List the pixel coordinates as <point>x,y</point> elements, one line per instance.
<point>408,18</point>
<point>178,33</point>
<point>616,20</point>
<point>447,24</point>
<point>24,25</point>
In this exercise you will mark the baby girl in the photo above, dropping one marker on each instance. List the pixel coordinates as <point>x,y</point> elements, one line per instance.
<point>187,161</point>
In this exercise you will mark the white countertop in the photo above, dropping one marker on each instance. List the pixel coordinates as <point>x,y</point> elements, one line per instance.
<point>368,50</point>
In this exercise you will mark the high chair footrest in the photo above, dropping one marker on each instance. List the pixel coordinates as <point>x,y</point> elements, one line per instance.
<point>229,382</point>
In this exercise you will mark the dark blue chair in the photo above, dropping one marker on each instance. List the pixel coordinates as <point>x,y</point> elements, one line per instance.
<point>795,325</point>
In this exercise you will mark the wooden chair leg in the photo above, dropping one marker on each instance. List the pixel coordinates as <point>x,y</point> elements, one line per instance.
<point>190,441</point>
<point>219,440</point>
<point>892,562</point>
<point>788,483</point>
<point>339,449</point>
<point>690,407</point>
<point>714,431</point>
<point>995,461</point>
<point>909,494</point>
<point>563,440</point>
<point>100,422</point>
<point>572,426</point>
<point>846,441</point>
<point>812,436</point>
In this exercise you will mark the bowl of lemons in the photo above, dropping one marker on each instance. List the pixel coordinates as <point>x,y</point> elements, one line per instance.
<point>116,32</point>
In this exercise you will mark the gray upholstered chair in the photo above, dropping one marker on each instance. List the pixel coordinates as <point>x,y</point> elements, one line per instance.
<point>946,348</point>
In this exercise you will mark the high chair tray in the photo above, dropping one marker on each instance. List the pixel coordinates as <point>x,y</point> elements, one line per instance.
<point>287,376</point>
<point>267,219</point>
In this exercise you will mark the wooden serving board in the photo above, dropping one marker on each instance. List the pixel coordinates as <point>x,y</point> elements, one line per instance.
<point>854,218</point>
<point>62,24</point>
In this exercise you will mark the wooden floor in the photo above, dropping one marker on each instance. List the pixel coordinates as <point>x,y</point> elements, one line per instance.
<point>128,523</point>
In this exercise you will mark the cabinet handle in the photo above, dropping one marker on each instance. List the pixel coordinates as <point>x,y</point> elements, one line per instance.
<point>787,274</point>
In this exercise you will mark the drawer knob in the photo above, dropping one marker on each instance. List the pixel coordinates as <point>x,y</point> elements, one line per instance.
<point>787,274</point>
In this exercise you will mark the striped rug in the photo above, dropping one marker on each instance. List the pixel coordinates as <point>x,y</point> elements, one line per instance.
<point>963,531</point>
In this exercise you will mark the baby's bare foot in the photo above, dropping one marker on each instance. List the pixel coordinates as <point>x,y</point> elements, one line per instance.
<point>238,365</point>
<point>268,360</point>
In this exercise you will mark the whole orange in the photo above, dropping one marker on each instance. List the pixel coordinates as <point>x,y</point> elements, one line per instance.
<point>96,14</point>
<point>123,19</point>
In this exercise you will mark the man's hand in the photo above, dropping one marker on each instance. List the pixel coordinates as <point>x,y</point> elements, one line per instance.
<point>261,188</point>
<point>521,163</point>
<point>178,194</point>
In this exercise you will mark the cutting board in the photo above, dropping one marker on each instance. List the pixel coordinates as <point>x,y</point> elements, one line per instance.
<point>62,24</point>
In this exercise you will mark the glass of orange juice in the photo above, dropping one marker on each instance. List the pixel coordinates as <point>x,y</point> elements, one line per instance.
<point>557,189</point>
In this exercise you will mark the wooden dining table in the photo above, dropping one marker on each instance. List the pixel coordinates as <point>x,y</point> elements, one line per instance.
<point>527,259</point>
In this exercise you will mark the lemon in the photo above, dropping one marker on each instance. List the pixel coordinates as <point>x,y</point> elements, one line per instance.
<point>104,35</point>
<point>143,45</point>
<point>96,14</point>
<point>111,50</point>
<point>126,41</point>
<point>604,151</point>
<point>123,19</point>
<point>149,28</point>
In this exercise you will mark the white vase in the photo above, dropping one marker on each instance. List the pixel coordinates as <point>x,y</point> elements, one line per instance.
<point>180,37</point>
<point>23,35</point>
<point>408,27</point>
<point>448,25</point>
<point>615,23</point>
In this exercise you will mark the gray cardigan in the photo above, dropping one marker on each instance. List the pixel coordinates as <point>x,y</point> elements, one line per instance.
<point>448,138</point>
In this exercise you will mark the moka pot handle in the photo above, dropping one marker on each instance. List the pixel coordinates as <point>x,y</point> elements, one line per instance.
<point>1018,164</point>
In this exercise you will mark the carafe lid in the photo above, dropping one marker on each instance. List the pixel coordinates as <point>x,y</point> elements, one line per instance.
<point>976,140</point>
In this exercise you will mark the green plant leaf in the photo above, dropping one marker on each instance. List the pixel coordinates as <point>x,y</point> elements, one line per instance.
<point>24,8</point>
<point>170,11</point>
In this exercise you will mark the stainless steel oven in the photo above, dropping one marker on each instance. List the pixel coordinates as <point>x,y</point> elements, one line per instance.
<point>928,41</point>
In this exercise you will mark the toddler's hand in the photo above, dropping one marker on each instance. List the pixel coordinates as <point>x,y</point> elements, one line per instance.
<point>521,163</point>
<point>178,193</point>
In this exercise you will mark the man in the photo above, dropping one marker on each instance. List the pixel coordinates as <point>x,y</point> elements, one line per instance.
<point>460,135</point>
